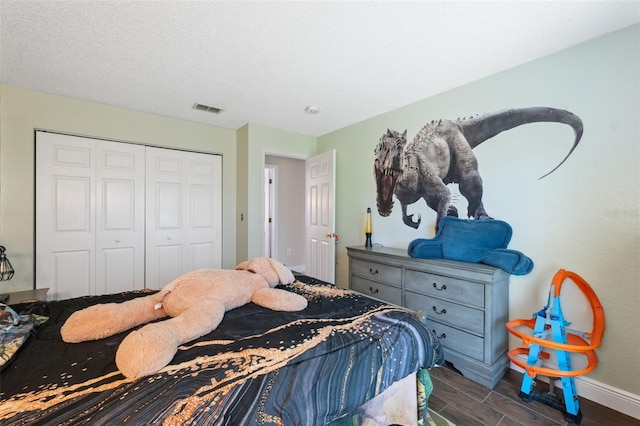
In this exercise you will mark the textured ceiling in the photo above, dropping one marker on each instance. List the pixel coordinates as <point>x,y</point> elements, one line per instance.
<point>264,62</point>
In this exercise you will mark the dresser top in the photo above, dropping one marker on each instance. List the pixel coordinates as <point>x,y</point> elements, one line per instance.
<point>401,258</point>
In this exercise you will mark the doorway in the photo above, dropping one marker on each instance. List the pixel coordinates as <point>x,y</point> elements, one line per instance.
<point>284,202</point>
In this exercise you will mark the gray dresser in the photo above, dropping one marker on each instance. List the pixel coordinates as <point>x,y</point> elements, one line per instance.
<point>466,304</point>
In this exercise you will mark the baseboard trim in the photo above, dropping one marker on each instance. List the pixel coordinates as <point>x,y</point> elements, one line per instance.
<point>614,398</point>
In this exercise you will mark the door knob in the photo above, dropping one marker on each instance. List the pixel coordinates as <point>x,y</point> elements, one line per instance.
<point>332,235</point>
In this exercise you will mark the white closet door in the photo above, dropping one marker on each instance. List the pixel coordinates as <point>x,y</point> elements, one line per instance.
<point>92,202</point>
<point>183,200</point>
<point>65,215</point>
<point>89,215</point>
<point>120,176</point>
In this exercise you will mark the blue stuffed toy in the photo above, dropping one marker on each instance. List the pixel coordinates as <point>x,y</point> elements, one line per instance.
<point>477,241</point>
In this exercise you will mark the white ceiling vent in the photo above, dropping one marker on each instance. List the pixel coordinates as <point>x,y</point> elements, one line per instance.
<point>207,108</point>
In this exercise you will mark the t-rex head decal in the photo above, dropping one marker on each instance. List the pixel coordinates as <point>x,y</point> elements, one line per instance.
<point>388,167</point>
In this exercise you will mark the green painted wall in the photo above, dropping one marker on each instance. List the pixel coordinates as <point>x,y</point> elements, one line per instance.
<point>584,217</point>
<point>22,111</point>
<point>242,194</point>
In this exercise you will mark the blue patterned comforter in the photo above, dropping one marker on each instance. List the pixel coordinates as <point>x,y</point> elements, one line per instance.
<point>258,367</point>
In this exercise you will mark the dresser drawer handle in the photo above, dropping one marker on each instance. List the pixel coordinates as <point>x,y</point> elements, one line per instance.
<point>442,336</point>
<point>372,271</point>
<point>444,287</point>
<point>373,290</point>
<point>443,311</point>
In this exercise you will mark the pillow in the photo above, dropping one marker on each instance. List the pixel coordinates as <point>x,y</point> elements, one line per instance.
<point>14,331</point>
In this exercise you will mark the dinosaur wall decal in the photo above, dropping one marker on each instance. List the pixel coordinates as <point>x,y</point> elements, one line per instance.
<point>442,153</point>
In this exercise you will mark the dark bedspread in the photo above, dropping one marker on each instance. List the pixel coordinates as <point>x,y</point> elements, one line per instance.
<point>257,367</point>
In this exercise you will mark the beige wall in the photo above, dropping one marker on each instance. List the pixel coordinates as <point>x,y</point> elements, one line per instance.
<point>22,111</point>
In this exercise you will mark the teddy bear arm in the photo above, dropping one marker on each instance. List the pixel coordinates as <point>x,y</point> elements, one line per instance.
<point>279,300</point>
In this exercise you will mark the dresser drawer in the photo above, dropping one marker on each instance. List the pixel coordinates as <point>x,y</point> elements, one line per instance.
<point>459,341</point>
<point>388,274</point>
<point>445,287</point>
<point>463,317</point>
<point>379,291</point>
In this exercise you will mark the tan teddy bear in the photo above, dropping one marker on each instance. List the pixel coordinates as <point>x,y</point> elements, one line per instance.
<point>196,303</point>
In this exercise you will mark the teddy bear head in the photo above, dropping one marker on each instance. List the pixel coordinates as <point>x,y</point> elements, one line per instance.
<point>273,271</point>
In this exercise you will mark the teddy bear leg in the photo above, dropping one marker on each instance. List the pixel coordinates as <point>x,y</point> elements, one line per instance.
<point>145,351</point>
<point>149,349</point>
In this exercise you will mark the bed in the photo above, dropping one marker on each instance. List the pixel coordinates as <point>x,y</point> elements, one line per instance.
<point>312,367</point>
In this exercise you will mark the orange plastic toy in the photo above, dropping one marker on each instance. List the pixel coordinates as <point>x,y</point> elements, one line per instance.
<point>547,329</point>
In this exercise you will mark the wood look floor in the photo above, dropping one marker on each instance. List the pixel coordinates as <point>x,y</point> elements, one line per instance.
<point>467,403</point>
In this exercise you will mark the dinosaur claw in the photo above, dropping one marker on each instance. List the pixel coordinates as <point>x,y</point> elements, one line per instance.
<point>408,220</point>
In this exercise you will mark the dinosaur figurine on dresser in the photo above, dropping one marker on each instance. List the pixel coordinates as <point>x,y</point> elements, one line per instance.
<point>442,153</point>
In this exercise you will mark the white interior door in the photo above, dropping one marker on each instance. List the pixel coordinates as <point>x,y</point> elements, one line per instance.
<point>320,217</point>
<point>184,206</point>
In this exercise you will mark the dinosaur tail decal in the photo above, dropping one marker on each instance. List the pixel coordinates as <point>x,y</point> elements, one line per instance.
<point>482,127</point>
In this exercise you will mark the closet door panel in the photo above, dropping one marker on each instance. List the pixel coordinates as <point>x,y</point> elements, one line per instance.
<point>169,260</point>
<point>65,215</point>
<point>121,273</point>
<point>166,208</point>
<point>120,174</point>
<point>72,205</point>
<point>72,274</point>
<point>205,222</point>
<point>170,203</point>
<point>201,256</point>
